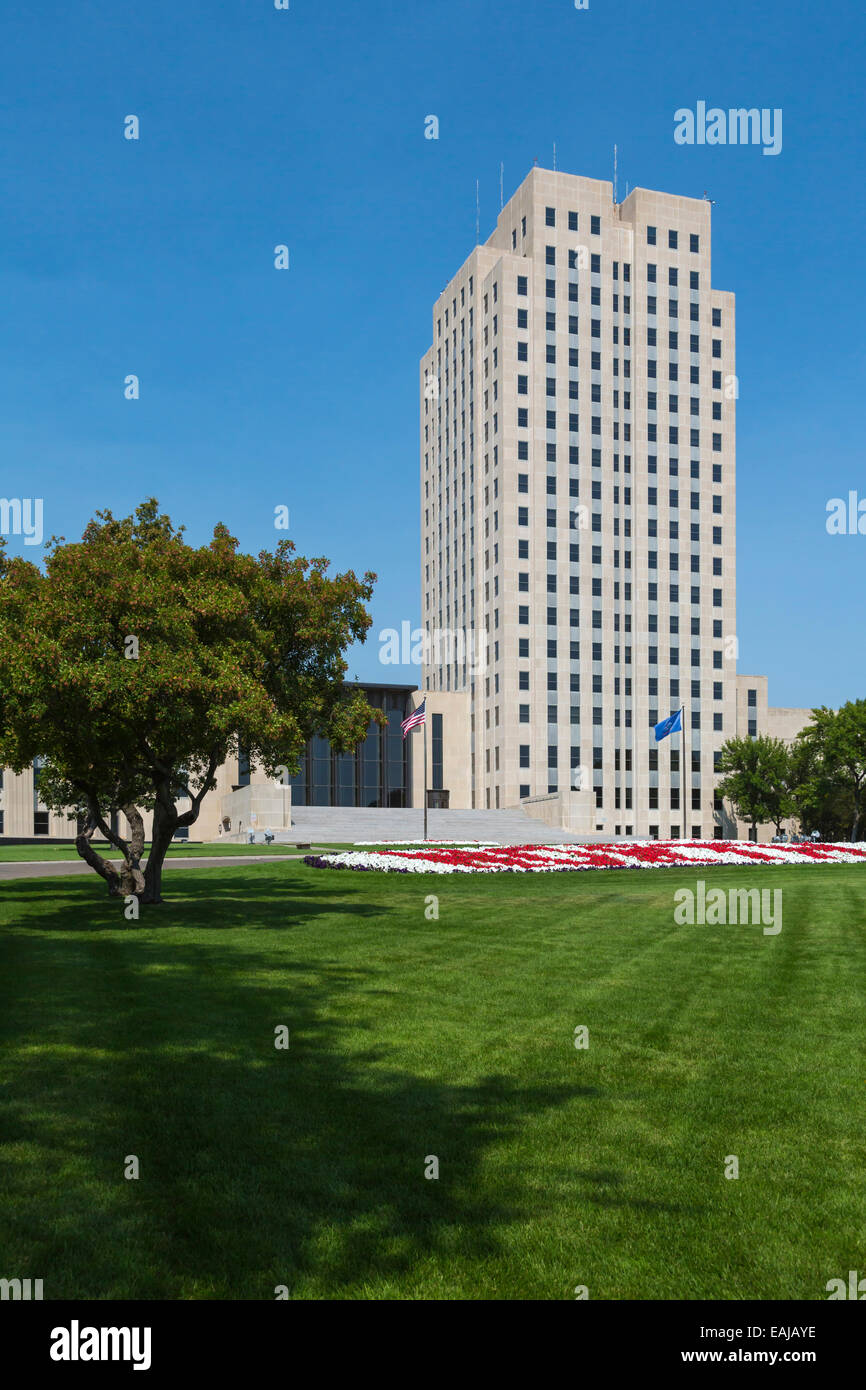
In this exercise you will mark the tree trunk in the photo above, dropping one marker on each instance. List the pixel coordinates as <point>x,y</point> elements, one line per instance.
<point>164,826</point>
<point>132,873</point>
<point>103,867</point>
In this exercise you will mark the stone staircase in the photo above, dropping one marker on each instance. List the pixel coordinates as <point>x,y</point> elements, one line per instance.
<point>342,825</point>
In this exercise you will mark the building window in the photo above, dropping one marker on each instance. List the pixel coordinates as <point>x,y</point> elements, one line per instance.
<point>436,751</point>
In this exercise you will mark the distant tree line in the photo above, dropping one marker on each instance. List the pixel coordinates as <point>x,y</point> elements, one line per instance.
<point>818,779</point>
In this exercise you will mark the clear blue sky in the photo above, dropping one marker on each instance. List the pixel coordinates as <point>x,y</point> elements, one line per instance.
<point>306,127</point>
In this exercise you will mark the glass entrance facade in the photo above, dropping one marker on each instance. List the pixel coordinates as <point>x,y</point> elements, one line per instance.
<point>377,773</point>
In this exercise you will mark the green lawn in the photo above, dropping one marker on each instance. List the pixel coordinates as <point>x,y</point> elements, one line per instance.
<point>453,1038</point>
<point>21,854</point>
<point>178,850</point>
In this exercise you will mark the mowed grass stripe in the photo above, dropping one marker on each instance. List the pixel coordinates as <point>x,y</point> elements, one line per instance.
<point>451,1037</point>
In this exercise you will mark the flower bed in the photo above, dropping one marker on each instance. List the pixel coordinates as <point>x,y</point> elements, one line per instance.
<point>634,854</point>
<point>430,843</point>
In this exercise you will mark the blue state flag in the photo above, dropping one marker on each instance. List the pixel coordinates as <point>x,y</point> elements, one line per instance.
<point>672,725</point>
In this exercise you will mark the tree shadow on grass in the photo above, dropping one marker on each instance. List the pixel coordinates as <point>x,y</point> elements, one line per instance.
<point>259,1167</point>
<point>218,901</point>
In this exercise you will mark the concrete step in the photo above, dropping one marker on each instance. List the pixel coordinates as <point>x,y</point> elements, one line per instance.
<point>337,824</point>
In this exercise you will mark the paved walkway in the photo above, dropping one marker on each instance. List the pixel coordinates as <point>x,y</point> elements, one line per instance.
<point>62,868</point>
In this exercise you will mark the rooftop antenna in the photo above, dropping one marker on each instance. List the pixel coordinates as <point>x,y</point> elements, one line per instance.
<point>477,214</point>
<point>614,173</point>
<point>554,156</point>
<point>501,186</point>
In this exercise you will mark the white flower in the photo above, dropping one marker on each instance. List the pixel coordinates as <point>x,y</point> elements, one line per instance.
<point>440,856</point>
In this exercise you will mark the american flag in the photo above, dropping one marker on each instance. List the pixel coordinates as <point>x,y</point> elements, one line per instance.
<point>418,716</point>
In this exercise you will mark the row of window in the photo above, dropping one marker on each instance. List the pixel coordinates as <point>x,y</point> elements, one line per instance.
<point>552,388</point>
<point>652,691</point>
<point>574,647</point>
<point>524,760</point>
<point>652,618</point>
<point>598,624</point>
<point>574,523</point>
<point>595,366</point>
<point>673,239</point>
<point>595,269</point>
<point>40,823</point>
<point>595,331</point>
<point>551,455</point>
<point>595,230</point>
<point>652,596</point>
<point>550,221</point>
<point>595,420</point>
<point>623,303</point>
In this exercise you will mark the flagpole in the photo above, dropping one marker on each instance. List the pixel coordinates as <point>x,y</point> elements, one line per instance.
<point>686,773</point>
<point>424,736</point>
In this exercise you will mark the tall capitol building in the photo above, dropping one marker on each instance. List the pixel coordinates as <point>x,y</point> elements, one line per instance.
<point>578,420</point>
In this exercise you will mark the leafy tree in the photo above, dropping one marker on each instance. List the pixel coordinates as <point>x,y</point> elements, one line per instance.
<point>821,805</point>
<point>832,765</point>
<point>135,664</point>
<point>756,780</point>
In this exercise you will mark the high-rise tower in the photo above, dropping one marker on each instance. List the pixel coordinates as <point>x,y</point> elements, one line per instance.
<point>578,504</point>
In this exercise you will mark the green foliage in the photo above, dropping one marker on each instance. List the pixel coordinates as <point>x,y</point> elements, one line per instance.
<point>830,761</point>
<point>820,777</point>
<point>230,648</point>
<point>756,779</point>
